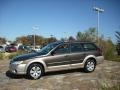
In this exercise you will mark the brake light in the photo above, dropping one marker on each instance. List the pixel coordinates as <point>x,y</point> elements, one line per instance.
<point>99,50</point>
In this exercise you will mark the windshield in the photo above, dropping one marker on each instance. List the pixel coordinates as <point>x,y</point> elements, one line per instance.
<point>48,48</point>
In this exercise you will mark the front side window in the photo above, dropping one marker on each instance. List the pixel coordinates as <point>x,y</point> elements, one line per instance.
<point>62,49</point>
<point>76,47</point>
<point>46,49</point>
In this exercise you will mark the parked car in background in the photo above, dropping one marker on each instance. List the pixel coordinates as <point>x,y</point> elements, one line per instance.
<point>25,48</point>
<point>2,49</point>
<point>10,48</point>
<point>58,56</point>
<point>36,49</point>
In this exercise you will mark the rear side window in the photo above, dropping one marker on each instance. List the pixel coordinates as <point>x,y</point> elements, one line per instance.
<point>89,47</point>
<point>76,47</point>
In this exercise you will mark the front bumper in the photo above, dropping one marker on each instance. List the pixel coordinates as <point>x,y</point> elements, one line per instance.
<point>17,68</point>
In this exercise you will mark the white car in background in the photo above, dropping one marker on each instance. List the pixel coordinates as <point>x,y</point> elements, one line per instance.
<point>37,48</point>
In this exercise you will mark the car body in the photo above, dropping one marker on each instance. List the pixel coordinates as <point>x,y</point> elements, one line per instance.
<point>10,49</point>
<point>58,56</point>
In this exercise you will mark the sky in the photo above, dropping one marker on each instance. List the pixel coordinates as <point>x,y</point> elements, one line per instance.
<point>59,18</point>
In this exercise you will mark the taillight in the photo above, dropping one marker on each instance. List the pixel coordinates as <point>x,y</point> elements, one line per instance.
<point>100,51</point>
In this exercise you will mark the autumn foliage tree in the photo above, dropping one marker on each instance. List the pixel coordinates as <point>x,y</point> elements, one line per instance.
<point>2,40</point>
<point>39,40</point>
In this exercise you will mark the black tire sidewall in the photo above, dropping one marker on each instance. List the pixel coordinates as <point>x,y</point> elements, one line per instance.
<point>85,66</point>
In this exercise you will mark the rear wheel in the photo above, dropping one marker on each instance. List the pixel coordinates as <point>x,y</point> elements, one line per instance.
<point>35,71</point>
<point>89,65</point>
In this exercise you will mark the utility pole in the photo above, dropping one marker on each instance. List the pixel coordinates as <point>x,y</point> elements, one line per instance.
<point>98,10</point>
<point>34,38</point>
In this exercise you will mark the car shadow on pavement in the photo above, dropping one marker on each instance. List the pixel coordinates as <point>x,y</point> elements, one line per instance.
<point>64,72</point>
<point>14,76</point>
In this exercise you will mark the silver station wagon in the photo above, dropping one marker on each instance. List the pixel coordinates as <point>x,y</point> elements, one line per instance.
<point>57,56</point>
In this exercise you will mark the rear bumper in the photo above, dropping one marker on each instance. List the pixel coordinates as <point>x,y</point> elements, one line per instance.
<point>100,59</point>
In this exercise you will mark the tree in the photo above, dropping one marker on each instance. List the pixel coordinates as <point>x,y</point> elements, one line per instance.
<point>39,40</point>
<point>51,39</point>
<point>29,40</point>
<point>62,39</point>
<point>71,38</point>
<point>2,40</point>
<point>23,39</point>
<point>88,35</point>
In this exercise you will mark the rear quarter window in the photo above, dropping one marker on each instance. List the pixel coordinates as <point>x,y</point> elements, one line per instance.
<point>89,47</point>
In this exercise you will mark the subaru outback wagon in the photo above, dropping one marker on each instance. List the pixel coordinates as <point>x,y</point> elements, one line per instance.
<point>57,56</point>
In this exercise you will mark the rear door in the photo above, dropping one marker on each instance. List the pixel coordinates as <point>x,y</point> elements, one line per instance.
<point>77,54</point>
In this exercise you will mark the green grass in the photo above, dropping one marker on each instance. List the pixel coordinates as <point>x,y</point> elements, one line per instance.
<point>115,58</point>
<point>116,87</point>
<point>5,56</point>
<point>1,56</point>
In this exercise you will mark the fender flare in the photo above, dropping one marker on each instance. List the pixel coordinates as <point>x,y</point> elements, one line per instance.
<point>36,61</point>
<point>89,56</point>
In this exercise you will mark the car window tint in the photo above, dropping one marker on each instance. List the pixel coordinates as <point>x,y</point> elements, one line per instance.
<point>76,47</point>
<point>1,47</point>
<point>89,46</point>
<point>62,49</point>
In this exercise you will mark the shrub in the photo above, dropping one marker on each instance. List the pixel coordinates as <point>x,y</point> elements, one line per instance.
<point>12,55</point>
<point>108,49</point>
<point>1,56</point>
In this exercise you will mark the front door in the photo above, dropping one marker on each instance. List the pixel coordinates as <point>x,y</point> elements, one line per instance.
<point>59,58</point>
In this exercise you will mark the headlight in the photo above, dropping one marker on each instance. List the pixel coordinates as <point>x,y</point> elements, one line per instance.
<point>17,62</point>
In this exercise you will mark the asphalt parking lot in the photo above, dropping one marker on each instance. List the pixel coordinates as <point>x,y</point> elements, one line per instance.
<point>106,74</point>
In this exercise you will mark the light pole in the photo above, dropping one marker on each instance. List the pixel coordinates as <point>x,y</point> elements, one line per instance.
<point>98,10</point>
<point>66,37</point>
<point>34,29</point>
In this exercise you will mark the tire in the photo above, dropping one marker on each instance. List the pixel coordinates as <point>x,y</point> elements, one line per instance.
<point>90,65</point>
<point>35,71</point>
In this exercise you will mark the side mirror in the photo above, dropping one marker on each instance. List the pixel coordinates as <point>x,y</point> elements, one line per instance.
<point>53,53</point>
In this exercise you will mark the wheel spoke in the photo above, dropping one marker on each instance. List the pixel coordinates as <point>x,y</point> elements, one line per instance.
<point>31,71</point>
<point>90,66</point>
<point>39,72</point>
<point>33,68</point>
<point>35,72</point>
<point>38,69</point>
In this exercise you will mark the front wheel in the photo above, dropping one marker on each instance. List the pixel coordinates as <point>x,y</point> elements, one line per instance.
<point>89,65</point>
<point>35,71</point>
